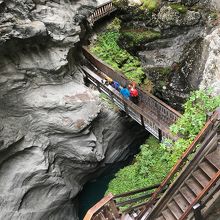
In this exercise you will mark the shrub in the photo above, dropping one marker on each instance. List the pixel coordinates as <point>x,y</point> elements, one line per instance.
<point>108,50</point>
<point>179,7</point>
<point>151,5</point>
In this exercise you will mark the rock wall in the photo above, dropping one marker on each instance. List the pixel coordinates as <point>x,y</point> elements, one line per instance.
<point>210,61</point>
<point>54,132</point>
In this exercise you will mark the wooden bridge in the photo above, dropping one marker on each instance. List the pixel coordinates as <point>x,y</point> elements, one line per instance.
<point>101,11</point>
<point>153,114</point>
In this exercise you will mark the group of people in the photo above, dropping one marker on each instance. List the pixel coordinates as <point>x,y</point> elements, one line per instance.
<point>128,92</point>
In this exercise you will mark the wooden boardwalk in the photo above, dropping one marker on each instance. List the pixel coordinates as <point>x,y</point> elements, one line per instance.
<point>153,114</point>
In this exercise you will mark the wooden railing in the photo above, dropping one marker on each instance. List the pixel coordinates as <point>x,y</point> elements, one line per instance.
<point>198,148</point>
<point>104,209</point>
<point>156,117</point>
<point>101,11</point>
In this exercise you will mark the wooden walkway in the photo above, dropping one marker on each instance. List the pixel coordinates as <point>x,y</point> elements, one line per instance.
<point>153,114</point>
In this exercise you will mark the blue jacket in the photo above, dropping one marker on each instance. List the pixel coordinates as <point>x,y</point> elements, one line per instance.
<point>125,93</point>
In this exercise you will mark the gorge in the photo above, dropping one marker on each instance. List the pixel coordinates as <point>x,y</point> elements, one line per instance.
<point>55,132</point>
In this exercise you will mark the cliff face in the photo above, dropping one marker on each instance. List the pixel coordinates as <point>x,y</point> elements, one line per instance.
<point>54,133</point>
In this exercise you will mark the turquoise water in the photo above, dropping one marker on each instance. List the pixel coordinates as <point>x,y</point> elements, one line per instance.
<point>95,190</point>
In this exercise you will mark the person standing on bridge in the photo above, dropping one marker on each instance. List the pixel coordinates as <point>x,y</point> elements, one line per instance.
<point>125,92</point>
<point>134,95</point>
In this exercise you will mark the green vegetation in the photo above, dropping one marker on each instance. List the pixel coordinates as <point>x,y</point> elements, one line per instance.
<point>120,3</point>
<point>135,37</point>
<point>179,7</point>
<point>150,167</point>
<point>154,161</point>
<point>213,15</point>
<point>115,25</point>
<point>108,102</point>
<point>108,50</point>
<point>151,5</point>
<point>200,103</point>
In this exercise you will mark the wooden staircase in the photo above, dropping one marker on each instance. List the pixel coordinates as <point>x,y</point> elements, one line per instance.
<point>192,188</point>
<point>193,185</point>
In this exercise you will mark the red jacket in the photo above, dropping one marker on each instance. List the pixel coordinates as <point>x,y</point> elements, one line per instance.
<point>133,92</point>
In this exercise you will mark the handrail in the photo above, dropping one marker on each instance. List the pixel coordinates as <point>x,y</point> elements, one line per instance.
<point>98,206</point>
<point>162,109</point>
<point>200,196</point>
<point>199,138</point>
<point>136,191</point>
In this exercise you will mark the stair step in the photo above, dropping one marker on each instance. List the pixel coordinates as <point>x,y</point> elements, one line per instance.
<point>126,217</point>
<point>187,194</point>
<point>167,214</point>
<point>201,178</point>
<point>181,202</point>
<point>208,169</point>
<point>213,158</point>
<point>175,209</point>
<point>160,218</point>
<point>194,186</point>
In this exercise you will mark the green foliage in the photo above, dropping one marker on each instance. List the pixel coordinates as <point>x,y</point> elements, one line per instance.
<point>135,37</point>
<point>154,161</point>
<point>213,15</point>
<point>120,3</point>
<point>199,104</point>
<point>151,5</point>
<point>108,102</point>
<point>150,166</point>
<point>108,50</point>
<point>179,7</point>
<point>115,25</point>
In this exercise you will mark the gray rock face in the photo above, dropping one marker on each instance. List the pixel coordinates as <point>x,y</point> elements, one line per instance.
<point>54,133</point>
<point>171,17</point>
<point>211,61</point>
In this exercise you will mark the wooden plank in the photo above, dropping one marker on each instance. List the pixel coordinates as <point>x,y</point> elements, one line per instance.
<point>187,194</point>
<point>208,169</point>
<point>202,179</point>
<point>181,201</point>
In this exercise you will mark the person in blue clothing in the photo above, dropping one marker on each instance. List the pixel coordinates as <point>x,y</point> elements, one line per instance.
<point>116,85</point>
<point>125,92</point>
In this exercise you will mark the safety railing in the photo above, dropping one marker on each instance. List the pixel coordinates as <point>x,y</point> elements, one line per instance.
<point>101,11</point>
<point>203,138</point>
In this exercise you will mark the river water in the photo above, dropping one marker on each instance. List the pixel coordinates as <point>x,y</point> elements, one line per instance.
<point>94,190</point>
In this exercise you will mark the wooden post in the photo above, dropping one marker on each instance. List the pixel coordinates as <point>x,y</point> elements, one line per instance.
<point>142,120</point>
<point>160,135</point>
<point>126,108</point>
<point>197,212</point>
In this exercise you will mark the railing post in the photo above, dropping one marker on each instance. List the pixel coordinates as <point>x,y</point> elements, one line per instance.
<point>142,120</point>
<point>126,108</point>
<point>160,136</point>
<point>197,212</point>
